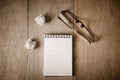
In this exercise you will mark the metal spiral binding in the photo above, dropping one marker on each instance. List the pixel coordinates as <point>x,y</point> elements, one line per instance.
<point>57,35</point>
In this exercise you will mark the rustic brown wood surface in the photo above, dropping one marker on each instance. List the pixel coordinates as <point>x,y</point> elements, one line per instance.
<point>13,30</point>
<point>99,61</point>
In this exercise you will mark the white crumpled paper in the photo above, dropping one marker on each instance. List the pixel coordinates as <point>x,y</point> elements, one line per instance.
<point>40,20</point>
<point>30,44</point>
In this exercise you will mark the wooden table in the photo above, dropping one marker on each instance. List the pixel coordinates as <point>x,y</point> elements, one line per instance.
<point>99,61</point>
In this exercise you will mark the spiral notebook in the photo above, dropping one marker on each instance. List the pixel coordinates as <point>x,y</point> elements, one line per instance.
<point>57,55</point>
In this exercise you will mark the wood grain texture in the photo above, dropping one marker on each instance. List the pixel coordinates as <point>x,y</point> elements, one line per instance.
<point>13,33</point>
<point>101,60</point>
<point>51,9</point>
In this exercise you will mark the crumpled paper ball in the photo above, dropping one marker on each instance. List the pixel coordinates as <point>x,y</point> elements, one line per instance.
<point>30,44</point>
<point>40,20</point>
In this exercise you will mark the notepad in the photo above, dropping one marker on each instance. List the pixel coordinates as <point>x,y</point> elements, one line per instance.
<point>57,55</point>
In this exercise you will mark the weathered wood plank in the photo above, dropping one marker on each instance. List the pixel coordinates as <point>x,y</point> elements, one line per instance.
<point>13,33</point>
<point>101,60</point>
<point>51,9</point>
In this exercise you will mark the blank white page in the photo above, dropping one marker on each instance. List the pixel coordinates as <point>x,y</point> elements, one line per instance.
<point>57,55</point>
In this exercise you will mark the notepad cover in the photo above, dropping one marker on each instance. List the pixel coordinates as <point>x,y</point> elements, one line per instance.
<point>57,55</point>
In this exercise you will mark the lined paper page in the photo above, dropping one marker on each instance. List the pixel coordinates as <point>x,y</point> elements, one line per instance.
<point>58,55</point>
